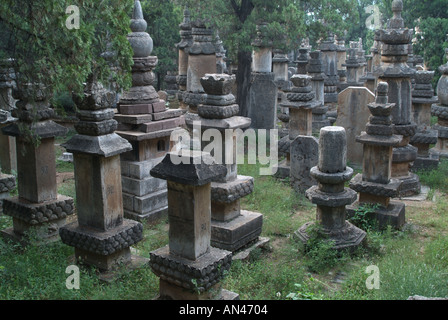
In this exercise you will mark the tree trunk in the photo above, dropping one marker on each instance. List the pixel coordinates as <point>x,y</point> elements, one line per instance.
<point>243,80</point>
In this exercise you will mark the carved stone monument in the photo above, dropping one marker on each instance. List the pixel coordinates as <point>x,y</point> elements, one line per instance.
<point>101,236</point>
<point>395,71</point>
<point>188,267</point>
<point>330,195</point>
<point>38,206</point>
<point>183,46</point>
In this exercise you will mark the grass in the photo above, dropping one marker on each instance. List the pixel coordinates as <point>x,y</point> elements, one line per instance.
<point>413,261</point>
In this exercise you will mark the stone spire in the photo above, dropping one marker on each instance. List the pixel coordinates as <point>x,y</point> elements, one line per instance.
<point>185,42</point>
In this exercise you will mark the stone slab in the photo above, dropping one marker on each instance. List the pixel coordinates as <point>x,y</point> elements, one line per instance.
<point>304,155</point>
<point>353,115</point>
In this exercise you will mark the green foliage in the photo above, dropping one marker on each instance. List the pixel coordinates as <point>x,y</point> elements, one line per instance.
<point>436,178</point>
<point>362,217</point>
<point>47,52</point>
<point>163,18</point>
<point>304,293</point>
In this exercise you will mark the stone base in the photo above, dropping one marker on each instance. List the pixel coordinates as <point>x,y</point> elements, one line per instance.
<point>427,163</point>
<point>151,217</point>
<point>282,170</point>
<point>245,252</point>
<point>410,185</point>
<point>102,249</point>
<point>47,233</point>
<point>393,215</point>
<point>169,291</point>
<point>235,234</point>
<point>348,238</point>
<point>181,278</point>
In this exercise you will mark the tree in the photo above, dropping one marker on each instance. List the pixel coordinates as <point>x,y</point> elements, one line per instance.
<point>49,49</point>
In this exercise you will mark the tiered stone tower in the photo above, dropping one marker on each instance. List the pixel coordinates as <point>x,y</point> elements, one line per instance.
<point>232,228</point>
<point>38,206</point>
<point>422,99</point>
<point>316,70</point>
<point>375,185</point>
<point>440,110</point>
<point>395,71</point>
<point>102,236</point>
<point>146,122</point>
<point>188,267</point>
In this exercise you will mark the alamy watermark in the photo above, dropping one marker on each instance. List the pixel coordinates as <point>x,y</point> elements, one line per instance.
<point>72,281</point>
<point>229,146</point>
<point>373,281</point>
<point>73,19</point>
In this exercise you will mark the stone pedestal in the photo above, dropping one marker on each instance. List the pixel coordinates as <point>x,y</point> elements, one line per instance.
<point>101,236</point>
<point>440,110</point>
<point>375,185</point>
<point>38,207</point>
<point>263,90</point>
<point>422,99</point>
<point>330,195</point>
<point>395,71</point>
<point>7,184</point>
<point>188,267</point>
<point>232,228</point>
<point>146,122</point>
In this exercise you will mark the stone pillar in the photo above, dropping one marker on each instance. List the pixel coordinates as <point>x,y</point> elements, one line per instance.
<point>263,90</point>
<point>171,85</point>
<point>189,268</point>
<point>375,185</point>
<point>232,228</point>
<point>422,99</point>
<point>301,102</point>
<point>146,122</point>
<point>8,160</point>
<point>102,236</point>
<point>329,53</point>
<point>395,71</point>
<point>183,47</point>
<point>361,59</point>
<point>330,195</point>
<point>316,70</point>
<point>38,206</point>
<point>281,78</point>
<point>440,110</point>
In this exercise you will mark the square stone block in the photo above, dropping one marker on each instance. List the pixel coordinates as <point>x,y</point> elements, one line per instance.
<point>235,234</point>
<point>142,187</point>
<point>393,215</point>
<point>150,202</point>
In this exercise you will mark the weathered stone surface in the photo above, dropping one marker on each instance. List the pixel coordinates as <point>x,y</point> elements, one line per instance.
<point>304,152</point>
<point>262,101</point>
<point>232,190</point>
<point>353,115</point>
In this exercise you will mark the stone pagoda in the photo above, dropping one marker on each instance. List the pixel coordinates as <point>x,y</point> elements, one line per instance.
<point>301,101</point>
<point>330,195</point>
<point>281,77</point>
<point>38,207</point>
<point>440,110</point>
<point>101,236</point>
<point>146,122</point>
<point>189,268</point>
<point>353,67</point>
<point>341,57</point>
<point>316,70</point>
<point>395,71</point>
<point>232,228</point>
<point>422,99</point>
<point>183,46</point>
<point>375,185</point>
